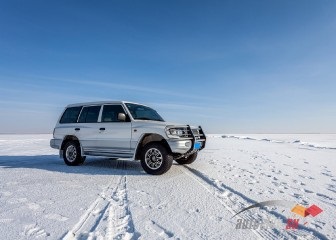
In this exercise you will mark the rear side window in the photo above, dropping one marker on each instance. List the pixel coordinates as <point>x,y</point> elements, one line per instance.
<point>110,113</point>
<point>70,115</point>
<point>89,114</point>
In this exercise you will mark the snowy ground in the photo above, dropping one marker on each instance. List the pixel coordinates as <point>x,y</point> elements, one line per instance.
<point>40,197</point>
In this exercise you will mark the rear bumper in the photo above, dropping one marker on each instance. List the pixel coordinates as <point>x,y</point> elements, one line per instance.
<point>56,143</point>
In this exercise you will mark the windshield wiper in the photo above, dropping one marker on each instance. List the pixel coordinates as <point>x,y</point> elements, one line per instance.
<point>144,118</point>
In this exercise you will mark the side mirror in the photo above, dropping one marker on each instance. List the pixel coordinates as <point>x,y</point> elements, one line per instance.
<point>121,117</point>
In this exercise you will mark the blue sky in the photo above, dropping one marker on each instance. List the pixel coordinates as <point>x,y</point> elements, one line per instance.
<point>231,66</point>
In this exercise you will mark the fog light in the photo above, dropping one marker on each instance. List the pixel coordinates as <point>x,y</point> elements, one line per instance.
<point>188,144</point>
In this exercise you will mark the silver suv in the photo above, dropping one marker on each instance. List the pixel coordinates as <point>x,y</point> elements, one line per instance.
<point>119,129</point>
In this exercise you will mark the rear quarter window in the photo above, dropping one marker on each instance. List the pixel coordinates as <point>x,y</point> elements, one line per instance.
<point>70,115</point>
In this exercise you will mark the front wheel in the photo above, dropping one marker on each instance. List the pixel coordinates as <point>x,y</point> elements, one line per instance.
<point>187,160</point>
<point>155,159</point>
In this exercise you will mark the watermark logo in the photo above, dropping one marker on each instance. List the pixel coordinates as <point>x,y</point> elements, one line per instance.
<point>299,212</point>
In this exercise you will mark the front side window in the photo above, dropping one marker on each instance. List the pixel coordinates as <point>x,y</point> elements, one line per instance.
<point>140,112</point>
<point>110,113</point>
<point>70,115</point>
<point>89,114</point>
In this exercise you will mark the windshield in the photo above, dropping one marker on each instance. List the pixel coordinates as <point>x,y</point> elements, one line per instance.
<point>140,112</point>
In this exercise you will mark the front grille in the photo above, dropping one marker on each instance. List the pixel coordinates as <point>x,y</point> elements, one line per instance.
<point>186,133</point>
<point>198,133</point>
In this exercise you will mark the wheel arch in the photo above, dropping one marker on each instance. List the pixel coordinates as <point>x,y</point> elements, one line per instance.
<point>69,138</point>
<point>150,138</point>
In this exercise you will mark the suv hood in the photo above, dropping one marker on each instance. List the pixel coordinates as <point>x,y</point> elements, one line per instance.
<point>146,123</point>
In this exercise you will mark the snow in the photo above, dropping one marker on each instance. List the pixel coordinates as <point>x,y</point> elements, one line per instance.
<point>41,197</point>
<point>322,141</point>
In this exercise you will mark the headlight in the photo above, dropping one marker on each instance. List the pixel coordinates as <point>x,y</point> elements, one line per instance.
<point>176,132</point>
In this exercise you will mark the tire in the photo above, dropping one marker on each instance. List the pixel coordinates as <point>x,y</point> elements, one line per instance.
<point>187,160</point>
<point>72,154</point>
<point>155,159</point>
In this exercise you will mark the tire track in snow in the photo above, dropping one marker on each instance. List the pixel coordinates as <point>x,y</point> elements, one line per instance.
<point>108,217</point>
<point>234,201</point>
<point>218,194</point>
<point>34,231</point>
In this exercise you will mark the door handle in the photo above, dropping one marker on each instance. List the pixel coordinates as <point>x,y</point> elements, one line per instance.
<point>102,129</point>
<point>77,129</point>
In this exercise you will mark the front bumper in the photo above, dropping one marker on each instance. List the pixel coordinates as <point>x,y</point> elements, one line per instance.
<point>56,143</point>
<point>179,145</point>
<point>194,142</point>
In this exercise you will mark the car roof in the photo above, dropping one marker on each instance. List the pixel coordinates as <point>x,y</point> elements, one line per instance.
<point>100,103</point>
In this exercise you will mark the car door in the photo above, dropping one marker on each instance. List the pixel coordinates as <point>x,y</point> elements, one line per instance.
<point>87,128</point>
<point>114,138</point>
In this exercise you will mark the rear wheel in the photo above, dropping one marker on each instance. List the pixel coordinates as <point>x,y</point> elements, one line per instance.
<point>155,159</point>
<point>72,154</point>
<point>187,160</point>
